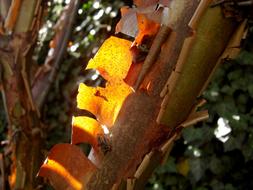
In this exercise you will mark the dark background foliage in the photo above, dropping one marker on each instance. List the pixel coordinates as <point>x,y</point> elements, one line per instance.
<point>199,160</point>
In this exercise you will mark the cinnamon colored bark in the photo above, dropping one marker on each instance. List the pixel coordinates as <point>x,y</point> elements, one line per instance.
<point>24,126</point>
<point>24,123</point>
<point>136,131</point>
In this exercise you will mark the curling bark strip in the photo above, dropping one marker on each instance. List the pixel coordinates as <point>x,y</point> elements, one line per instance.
<point>146,119</point>
<point>131,137</point>
<point>135,131</point>
<point>24,123</point>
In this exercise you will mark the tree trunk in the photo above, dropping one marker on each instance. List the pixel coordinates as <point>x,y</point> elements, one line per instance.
<point>146,118</point>
<point>18,35</point>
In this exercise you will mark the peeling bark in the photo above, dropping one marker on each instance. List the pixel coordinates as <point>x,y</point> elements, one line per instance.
<point>198,38</point>
<point>22,99</point>
<point>136,131</point>
<point>24,123</point>
<point>25,127</point>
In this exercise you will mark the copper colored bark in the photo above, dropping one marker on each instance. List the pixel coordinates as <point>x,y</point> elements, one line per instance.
<point>135,131</point>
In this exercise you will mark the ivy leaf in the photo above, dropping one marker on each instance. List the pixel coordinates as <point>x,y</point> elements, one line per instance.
<point>197,169</point>
<point>229,187</point>
<point>217,185</point>
<point>234,142</point>
<point>245,57</point>
<point>247,149</point>
<point>250,90</point>
<point>183,167</point>
<point>216,165</point>
<point>198,135</point>
<point>170,166</point>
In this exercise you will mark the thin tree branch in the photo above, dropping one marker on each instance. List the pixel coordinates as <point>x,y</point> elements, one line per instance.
<point>195,66</point>
<point>47,73</point>
<point>23,119</point>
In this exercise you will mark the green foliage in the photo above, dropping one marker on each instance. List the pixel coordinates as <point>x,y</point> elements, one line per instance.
<point>214,164</point>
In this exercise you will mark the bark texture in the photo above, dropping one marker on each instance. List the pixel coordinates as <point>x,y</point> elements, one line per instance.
<point>19,25</point>
<point>136,131</point>
<point>150,117</point>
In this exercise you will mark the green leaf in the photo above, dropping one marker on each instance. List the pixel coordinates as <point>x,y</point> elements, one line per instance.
<point>192,134</point>
<point>216,165</point>
<point>170,166</point>
<point>245,57</point>
<point>250,90</point>
<point>235,75</point>
<point>229,187</point>
<point>197,169</point>
<point>247,149</point>
<point>217,185</point>
<point>201,188</point>
<point>233,143</point>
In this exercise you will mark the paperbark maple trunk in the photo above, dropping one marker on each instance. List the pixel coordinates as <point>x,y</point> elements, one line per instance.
<point>24,123</point>
<point>133,137</point>
<point>19,25</point>
<point>21,20</point>
<point>140,125</point>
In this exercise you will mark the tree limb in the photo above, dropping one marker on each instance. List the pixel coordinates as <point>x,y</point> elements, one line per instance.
<point>15,43</point>
<point>195,66</point>
<point>47,73</point>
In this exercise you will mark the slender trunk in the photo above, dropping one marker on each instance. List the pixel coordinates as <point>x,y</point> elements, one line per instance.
<point>22,99</point>
<point>19,27</point>
<point>24,123</point>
